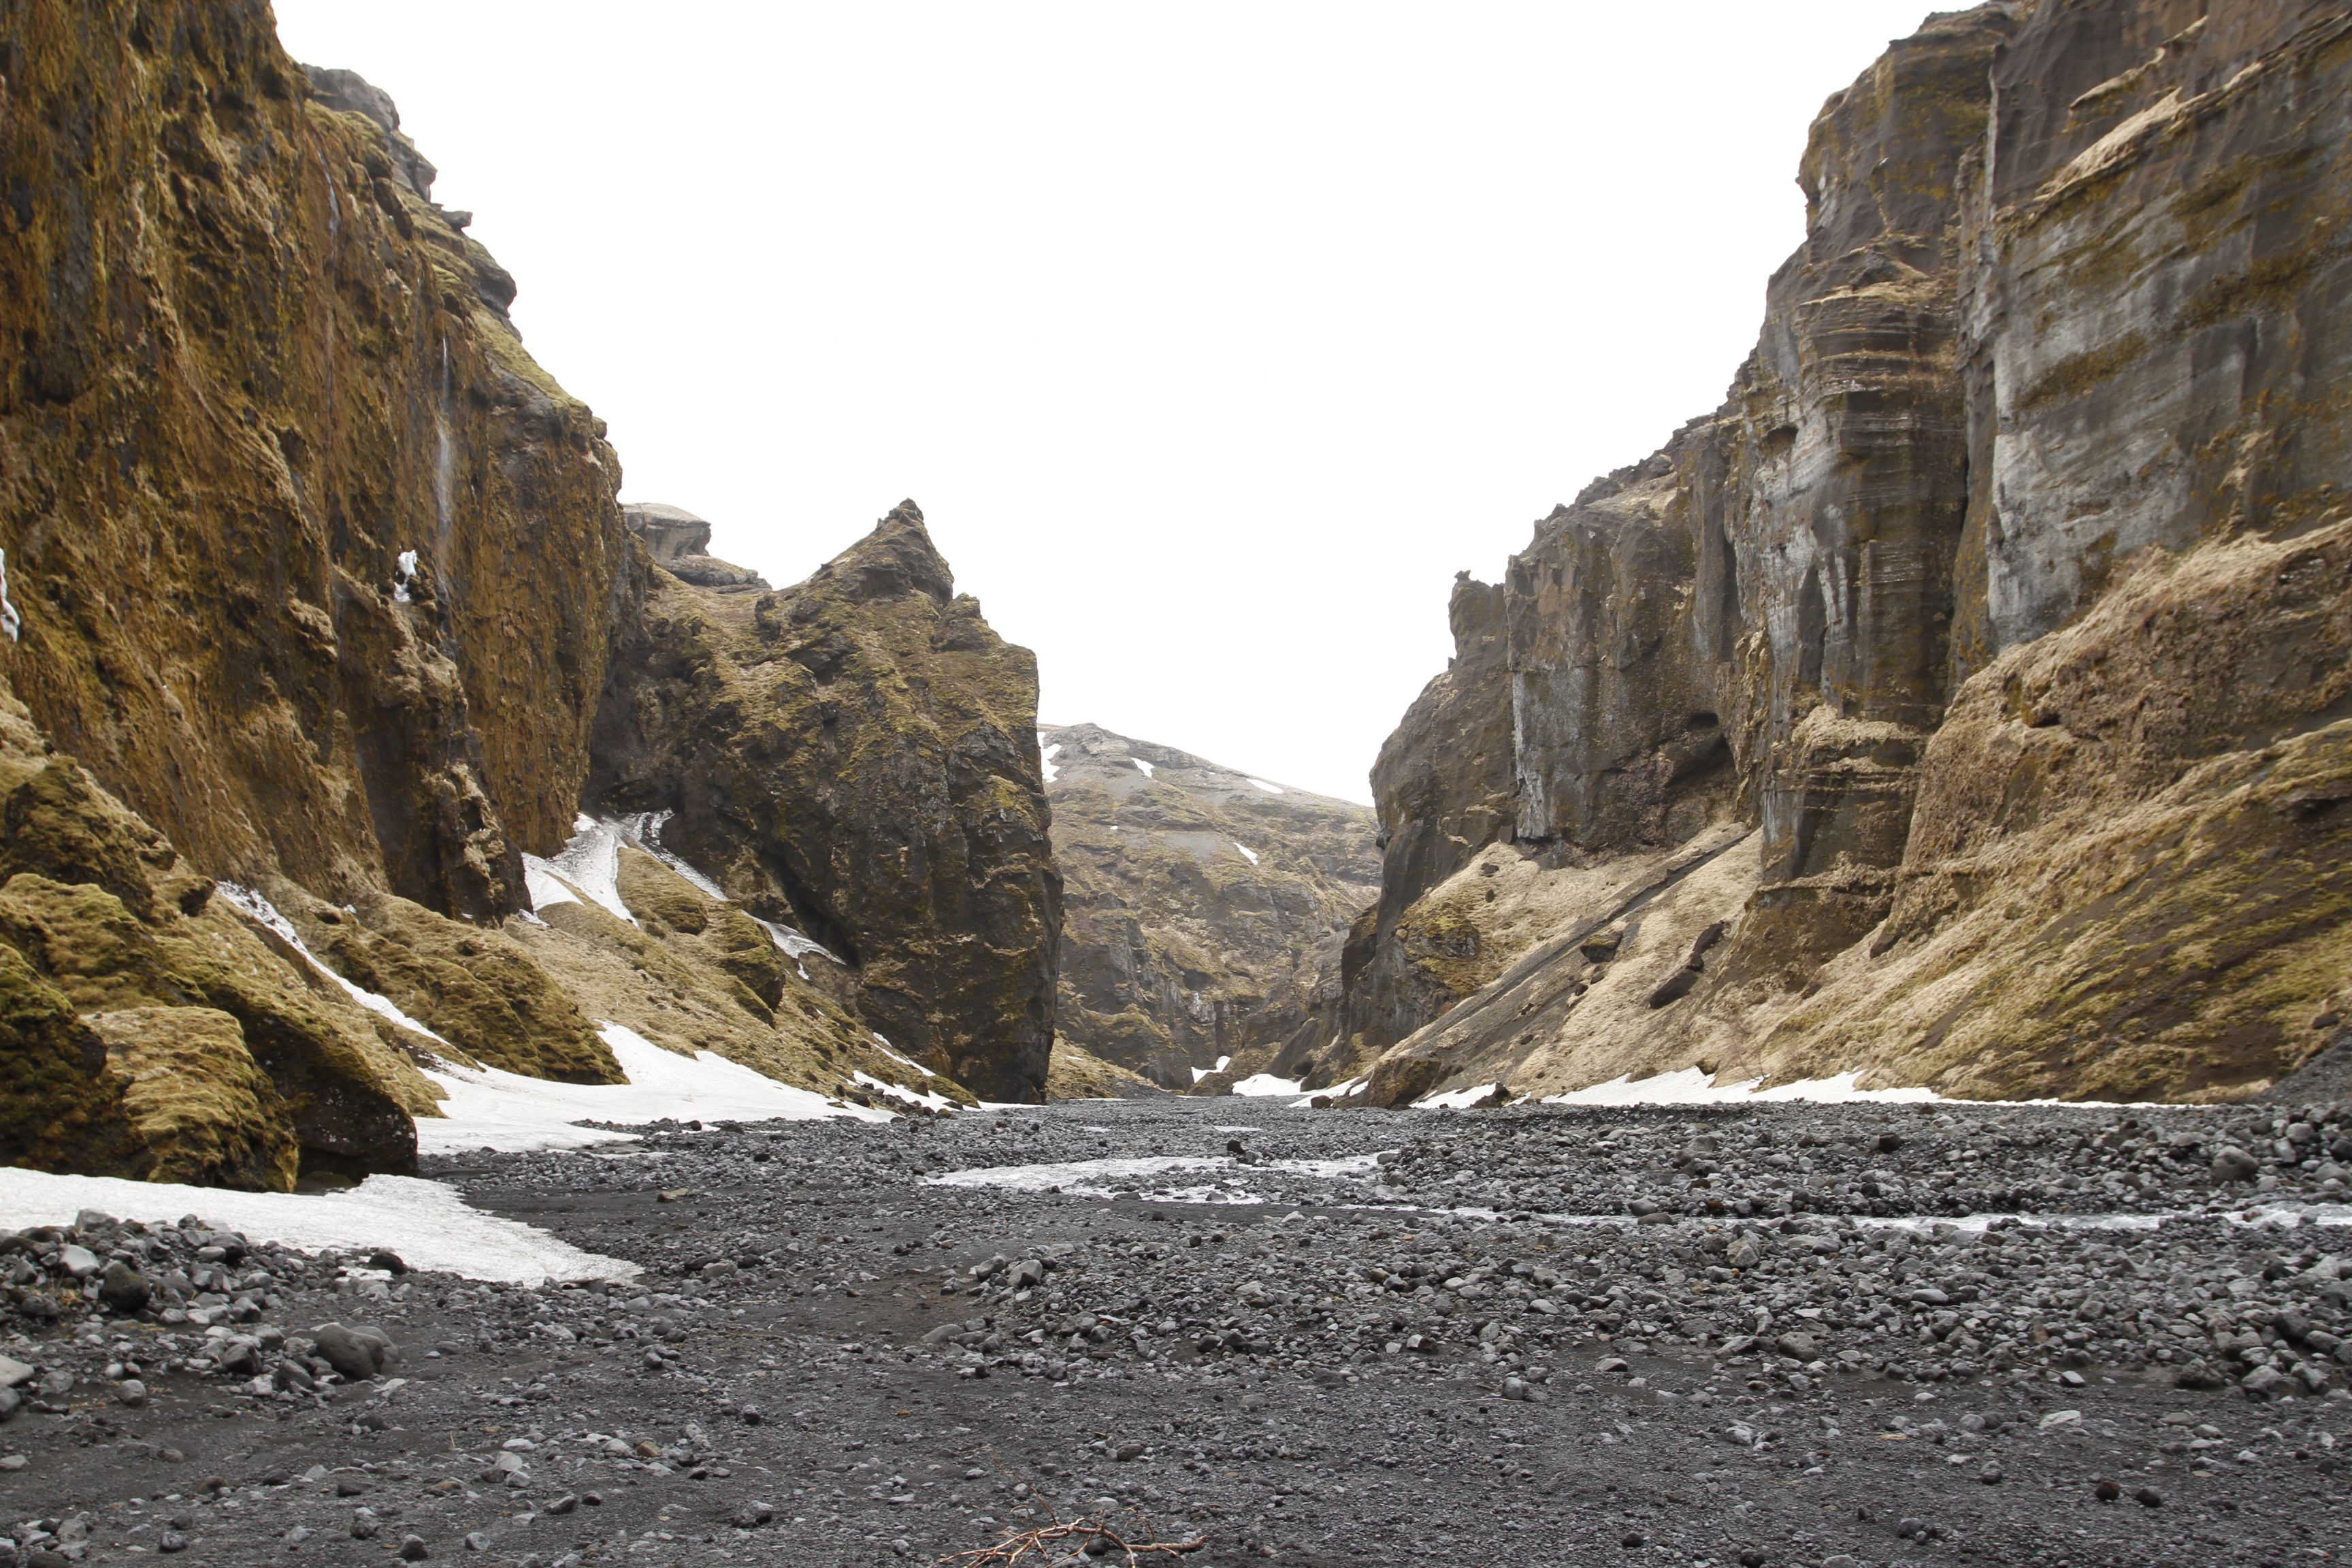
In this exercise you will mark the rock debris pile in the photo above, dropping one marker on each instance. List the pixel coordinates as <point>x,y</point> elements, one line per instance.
<point>1303,1337</point>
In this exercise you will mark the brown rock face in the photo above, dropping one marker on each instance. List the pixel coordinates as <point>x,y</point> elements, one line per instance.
<point>251,365</point>
<point>320,579</point>
<point>153,1031</point>
<point>1991,623</point>
<point>856,756</point>
<point>1205,910</point>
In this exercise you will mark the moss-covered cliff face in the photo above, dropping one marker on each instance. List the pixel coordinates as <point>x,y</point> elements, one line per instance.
<point>856,757</point>
<point>316,583</point>
<point>1960,703</point>
<point>251,366</point>
<point>1206,908</point>
<point>150,1028</point>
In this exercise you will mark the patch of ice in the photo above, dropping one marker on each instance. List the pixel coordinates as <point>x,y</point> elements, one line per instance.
<point>1052,773</point>
<point>492,1109</point>
<point>262,913</point>
<point>1248,851</point>
<point>429,1224</point>
<point>590,862</point>
<point>1140,762</point>
<point>10,621</point>
<point>1269,788</point>
<point>1266,1083</point>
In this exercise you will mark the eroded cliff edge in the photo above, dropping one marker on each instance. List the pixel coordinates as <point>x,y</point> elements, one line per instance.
<point>1965,702</point>
<point>316,586</point>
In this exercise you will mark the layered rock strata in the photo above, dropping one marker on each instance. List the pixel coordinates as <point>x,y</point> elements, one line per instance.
<point>313,586</point>
<point>1205,908</point>
<point>1962,704</point>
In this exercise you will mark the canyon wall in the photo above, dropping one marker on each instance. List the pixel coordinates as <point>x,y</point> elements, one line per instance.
<point>318,597</point>
<point>1965,702</point>
<point>1206,908</point>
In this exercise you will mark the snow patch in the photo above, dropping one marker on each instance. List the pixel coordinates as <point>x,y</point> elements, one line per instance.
<point>1266,1083</point>
<point>429,1224</point>
<point>1052,773</point>
<point>488,1108</point>
<point>1337,1091</point>
<point>1693,1087</point>
<point>10,621</point>
<point>407,574</point>
<point>796,945</point>
<point>1269,788</point>
<point>1248,851</point>
<point>644,830</point>
<point>1460,1099</point>
<point>264,913</point>
<point>1140,762</point>
<point>590,862</point>
<point>1200,1073</point>
<point>1101,1178</point>
<point>932,1101</point>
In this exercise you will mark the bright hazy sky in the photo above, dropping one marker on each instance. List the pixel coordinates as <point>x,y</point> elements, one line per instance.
<point>1213,338</point>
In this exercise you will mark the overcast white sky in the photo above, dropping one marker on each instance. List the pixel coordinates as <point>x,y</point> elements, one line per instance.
<point>1213,338</point>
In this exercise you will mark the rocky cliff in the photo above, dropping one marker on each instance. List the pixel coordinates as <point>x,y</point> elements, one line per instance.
<point>316,597</point>
<point>1963,702</point>
<point>1206,908</point>
<point>856,757</point>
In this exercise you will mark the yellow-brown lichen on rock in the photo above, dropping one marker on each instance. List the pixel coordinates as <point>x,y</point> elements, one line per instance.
<point>203,1109</point>
<point>473,985</point>
<point>856,756</point>
<point>684,978</point>
<point>251,363</point>
<point>341,1092</point>
<point>58,1109</point>
<point>1077,1073</point>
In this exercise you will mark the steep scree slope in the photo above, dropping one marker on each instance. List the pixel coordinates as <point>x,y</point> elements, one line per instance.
<point>1205,908</point>
<point>1965,701</point>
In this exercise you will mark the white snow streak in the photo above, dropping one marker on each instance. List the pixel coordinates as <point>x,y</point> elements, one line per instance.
<point>1266,1083</point>
<point>1269,788</point>
<point>1248,851</point>
<point>429,1224</point>
<point>264,913</point>
<point>1140,762</point>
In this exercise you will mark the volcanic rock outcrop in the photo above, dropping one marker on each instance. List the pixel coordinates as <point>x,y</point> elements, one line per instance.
<point>1963,703</point>
<point>1205,908</point>
<point>856,757</point>
<point>314,588</point>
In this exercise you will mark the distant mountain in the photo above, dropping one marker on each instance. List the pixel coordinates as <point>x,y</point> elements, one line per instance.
<point>1203,908</point>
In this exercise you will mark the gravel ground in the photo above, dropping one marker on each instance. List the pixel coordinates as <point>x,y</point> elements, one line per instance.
<point>1756,1334</point>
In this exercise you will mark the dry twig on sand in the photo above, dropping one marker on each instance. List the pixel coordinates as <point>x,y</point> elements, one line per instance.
<point>1057,1544</point>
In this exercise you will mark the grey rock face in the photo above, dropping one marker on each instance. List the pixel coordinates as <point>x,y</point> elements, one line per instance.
<point>1904,606</point>
<point>680,545</point>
